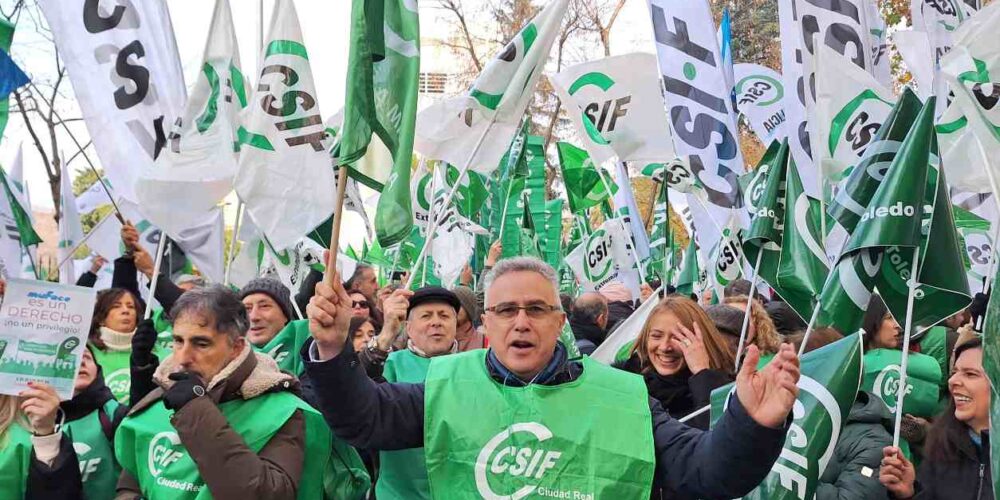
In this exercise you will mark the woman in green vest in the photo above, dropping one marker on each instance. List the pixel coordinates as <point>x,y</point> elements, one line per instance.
<point>36,456</point>
<point>91,418</point>
<point>112,327</point>
<point>883,359</point>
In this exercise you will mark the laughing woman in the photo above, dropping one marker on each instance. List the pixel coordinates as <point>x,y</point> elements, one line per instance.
<point>957,462</point>
<point>682,357</point>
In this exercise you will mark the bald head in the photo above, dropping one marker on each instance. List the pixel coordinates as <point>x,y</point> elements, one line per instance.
<point>591,307</point>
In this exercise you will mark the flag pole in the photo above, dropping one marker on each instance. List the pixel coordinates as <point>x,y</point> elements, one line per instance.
<point>812,324</point>
<point>432,226</point>
<point>746,312</point>
<point>118,212</point>
<point>901,392</point>
<point>338,218</point>
<point>34,267</point>
<point>232,241</point>
<point>635,251</point>
<point>692,415</point>
<point>666,228</point>
<point>83,240</point>
<point>155,278</point>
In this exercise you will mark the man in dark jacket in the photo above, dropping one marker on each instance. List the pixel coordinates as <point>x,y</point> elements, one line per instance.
<point>472,413</point>
<point>588,321</point>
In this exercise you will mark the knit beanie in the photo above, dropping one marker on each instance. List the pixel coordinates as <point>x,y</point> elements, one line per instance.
<point>274,289</point>
<point>467,298</point>
<point>727,319</point>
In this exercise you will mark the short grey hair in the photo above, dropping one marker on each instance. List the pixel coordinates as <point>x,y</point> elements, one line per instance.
<point>220,306</point>
<point>522,264</point>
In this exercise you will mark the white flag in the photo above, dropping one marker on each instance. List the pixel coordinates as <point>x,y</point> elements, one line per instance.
<point>70,231</point>
<point>286,174</point>
<point>850,108</point>
<point>758,97</point>
<point>452,246</point>
<point>726,258</point>
<point>700,106</point>
<point>616,106</point>
<point>605,258</point>
<point>626,332</point>
<point>94,196</point>
<point>195,171</point>
<point>453,129</point>
<point>628,210</point>
<point>127,78</point>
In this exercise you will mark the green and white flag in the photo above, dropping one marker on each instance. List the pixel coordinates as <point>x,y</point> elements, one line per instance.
<point>726,258</point>
<point>616,107</point>
<point>581,178</point>
<point>286,176</point>
<point>976,237</point>
<point>485,120</point>
<point>972,69</point>
<point>759,92</point>
<point>452,246</point>
<point>785,227</point>
<point>692,279</point>
<point>15,214</point>
<point>604,258</point>
<point>70,231</point>
<point>828,387</point>
<point>15,221</point>
<point>850,108</point>
<point>194,172</point>
<point>856,192</point>
<point>911,210</point>
<point>382,79</point>
<point>625,334</point>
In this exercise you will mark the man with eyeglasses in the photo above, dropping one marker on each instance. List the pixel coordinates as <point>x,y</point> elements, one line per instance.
<point>521,419</point>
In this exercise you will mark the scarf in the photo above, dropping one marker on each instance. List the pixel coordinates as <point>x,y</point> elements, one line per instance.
<point>115,340</point>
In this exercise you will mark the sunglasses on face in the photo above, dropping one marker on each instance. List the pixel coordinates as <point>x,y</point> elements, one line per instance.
<point>360,305</point>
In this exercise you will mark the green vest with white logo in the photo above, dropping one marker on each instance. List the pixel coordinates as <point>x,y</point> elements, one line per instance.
<point>589,438</point>
<point>15,457</point>
<point>148,447</point>
<point>165,335</point>
<point>98,468</point>
<point>285,346</point>
<point>934,343</point>
<point>117,375</point>
<point>403,473</point>
<point>923,375</point>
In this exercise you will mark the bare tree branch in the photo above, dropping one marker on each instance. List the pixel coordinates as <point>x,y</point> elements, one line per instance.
<point>455,6</point>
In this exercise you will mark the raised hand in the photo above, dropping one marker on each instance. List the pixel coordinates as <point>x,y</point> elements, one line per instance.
<point>394,312</point>
<point>97,263</point>
<point>896,473</point>
<point>329,313</point>
<point>692,346</point>
<point>769,394</point>
<point>40,404</point>
<point>130,236</point>
<point>496,250</point>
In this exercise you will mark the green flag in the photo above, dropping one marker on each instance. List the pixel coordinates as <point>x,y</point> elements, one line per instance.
<point>582,178</point>
<point>828,386</point>
<point>849,204</point>
<point>382,79</point>
<point>991,364</point>
<point>691,280</point>
<point>909,210</point>
<point>6,37</point>
<point>22,219</point>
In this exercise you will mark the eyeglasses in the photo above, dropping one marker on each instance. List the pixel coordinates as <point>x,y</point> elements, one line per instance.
<point>534,311</point>
<point>360,305</point>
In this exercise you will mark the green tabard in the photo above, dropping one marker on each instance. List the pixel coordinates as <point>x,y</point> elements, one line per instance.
<point>148,447</point>
<point>590,438</point>
<point>117,376</point>
<point>98,468</point>
<point>403,472</point>
<point>285,346</point>
<point>923,375</point>
<point>15,457</point>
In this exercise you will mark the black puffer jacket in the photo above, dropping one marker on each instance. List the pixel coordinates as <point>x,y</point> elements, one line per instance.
<point>853,471</point>
<point>682,393</point>
<point>967,479</point>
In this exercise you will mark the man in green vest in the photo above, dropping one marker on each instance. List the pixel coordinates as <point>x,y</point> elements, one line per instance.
<point>431,316</point>
<point>224,421</point>
<point>520,419</point>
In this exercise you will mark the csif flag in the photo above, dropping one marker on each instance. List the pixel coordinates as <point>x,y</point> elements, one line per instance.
<point>605,258</point>
<point>285,175</point>
<point>615,105</point>
<point>382,79</point>
<point>581,177</point>
<point>70,232</point>
<point>474,130</point>
<point>759,92</point>
<point>828,386</point>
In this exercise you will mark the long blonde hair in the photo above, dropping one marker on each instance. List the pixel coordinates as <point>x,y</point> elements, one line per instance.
<point>766,339</point>
<point>10,413</point>
<point>689,313</point>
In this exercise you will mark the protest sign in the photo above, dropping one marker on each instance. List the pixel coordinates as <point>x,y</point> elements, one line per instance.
<point>43,328</point>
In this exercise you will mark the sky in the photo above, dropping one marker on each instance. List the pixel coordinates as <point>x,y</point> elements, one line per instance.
<point>325,27</point>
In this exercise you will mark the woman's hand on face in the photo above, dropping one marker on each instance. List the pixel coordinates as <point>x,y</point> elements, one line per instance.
<point>692,345</point>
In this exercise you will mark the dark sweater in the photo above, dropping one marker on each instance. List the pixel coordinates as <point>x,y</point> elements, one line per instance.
<point>725,463</point>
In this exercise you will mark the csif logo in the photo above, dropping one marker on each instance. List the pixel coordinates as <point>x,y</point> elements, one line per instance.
<point>522,464</point>
<point>886,386</point>
<point>163,452</point>
<point>598,256</point>
<point>49,295</point>
<point>600,116</point>
<point>897,210</point>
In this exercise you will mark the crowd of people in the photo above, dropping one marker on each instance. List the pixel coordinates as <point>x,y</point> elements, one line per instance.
<point>351,389</point>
